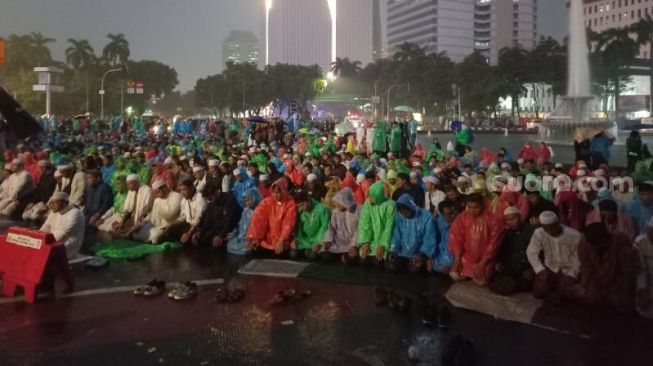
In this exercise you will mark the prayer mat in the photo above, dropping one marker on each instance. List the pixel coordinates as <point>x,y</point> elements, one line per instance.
<point>131,250</point>
<point>273,268</point>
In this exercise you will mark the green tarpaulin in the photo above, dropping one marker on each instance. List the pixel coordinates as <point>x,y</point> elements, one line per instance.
<point>131,250</point>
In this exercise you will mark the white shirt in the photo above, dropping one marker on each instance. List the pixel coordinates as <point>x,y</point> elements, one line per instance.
<point>67,227</point>
<point>433,199</point>
<point>139,203</point>
<point>165,211</point>
<point>19,182</point>
<point>560,253</point>
<point>191,210</point>
<point>77,187</point>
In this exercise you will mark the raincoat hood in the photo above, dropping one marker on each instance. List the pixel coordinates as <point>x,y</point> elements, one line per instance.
<point>254,195</point>
<point>407,201</point>
<point>377,192</point>
<point>345,198</point>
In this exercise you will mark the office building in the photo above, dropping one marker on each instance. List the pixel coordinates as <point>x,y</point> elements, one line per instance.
<point>240,47</point>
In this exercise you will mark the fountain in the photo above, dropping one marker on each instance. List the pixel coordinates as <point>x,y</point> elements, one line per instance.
<point>576,109</point>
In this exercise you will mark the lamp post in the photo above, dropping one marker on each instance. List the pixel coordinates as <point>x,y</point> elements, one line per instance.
<point>102,89</point>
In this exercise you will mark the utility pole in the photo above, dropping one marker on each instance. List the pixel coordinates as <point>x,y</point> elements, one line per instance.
<point>243,98</point>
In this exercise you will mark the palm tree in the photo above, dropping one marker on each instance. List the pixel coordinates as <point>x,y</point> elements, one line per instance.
<point>514,65</point>
<point>117,50</point>
<point>643,29</point>
<point>345,68</point>
<point>408,51</point>
<point>40,49</point>
<point>19,52</point>
<point>80,54</point>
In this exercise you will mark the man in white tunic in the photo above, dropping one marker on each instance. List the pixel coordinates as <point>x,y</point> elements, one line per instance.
<point>200,178</point>
<point>138,206</point>
<point>73,183</point>
<point>193,205</point>
<point>66,223</point>
<point>557,277</point>
<point>19,186</point>
<point>165,212</point>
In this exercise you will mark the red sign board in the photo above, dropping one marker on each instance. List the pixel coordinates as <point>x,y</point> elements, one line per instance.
<point>24,256</point>
<point>3,47</point>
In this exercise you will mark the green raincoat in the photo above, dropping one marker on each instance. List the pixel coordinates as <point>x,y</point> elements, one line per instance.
<point>395,140</point>
<point>380,138</point>
<point>311,225</point>
<point>642,172</point>
<point>376,220</point>
<point>434,150</point>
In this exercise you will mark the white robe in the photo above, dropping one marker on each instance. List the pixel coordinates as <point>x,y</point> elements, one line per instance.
<point>165,212</point>
<point>139,203</point>
<point>17,184</point>
<point>560,253</point>
<point>67,226</point>
<point>77,187</point>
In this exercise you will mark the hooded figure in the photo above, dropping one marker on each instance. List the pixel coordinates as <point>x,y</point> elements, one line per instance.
<point>375,224</point>
<point>273,221</point>
<point>312,223</point>
<point>342,234</point>
<point>395,140</point>
<point>236,244</point>
<point>296,176</point>
<point>442,257</point>
<point>413,236</point>
<point>379,138</point>
<point>242,184</point>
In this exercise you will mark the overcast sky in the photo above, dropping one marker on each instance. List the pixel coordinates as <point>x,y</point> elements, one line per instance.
<point>187,35</point>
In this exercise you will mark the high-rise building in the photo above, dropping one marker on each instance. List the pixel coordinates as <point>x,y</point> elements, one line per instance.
<point>240,47</point>
<point>316,32</point>
<point>458,27</point>
<point>377,31</point>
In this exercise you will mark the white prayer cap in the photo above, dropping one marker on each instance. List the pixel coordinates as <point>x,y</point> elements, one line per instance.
<point>198,168</point>
<point>582,165</point>
<point>462,179</point>
<point>437,170</point>
<point>505,165</point>
<point>158,184</point>
<point>57,174</point>
<point>558,165</point>
<point>650,223</point>
<point>168,161</point>
<point>264,177</point>
<point>581,173</point>
<point>511,211</point>
<point>520,161</point>
<point>391,155</point>
<point>413,175</point>
<point>308,154</point>
<point>416,164</point>
<point>383,160</point>
<point>132,178</point>
<point>63,167</point>
<point>139,148</point>
<point>43,163</point>
<point>214,162</point>
<point>433,180</point>
<point>311,177</point>
<point>360,178</point>
<point>17,161</point>
<point>183,158</point>
<point>599,172</point>
<point>548,218</point>
<point>237,172</point>
<point>59,196</point>
<point>244,157</point>
<point>127,155</point>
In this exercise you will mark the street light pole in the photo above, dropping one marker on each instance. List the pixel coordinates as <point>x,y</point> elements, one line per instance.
<point>387,101</point>
<point>102,89</point>
<point>243,99</point>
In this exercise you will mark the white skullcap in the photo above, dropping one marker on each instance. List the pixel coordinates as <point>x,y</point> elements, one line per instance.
<point>360,178</point>
<point>43,163</point>
<point>581,173</point>
<point>433,180</point>
<point>132,178</point>
<point>311,177</point>
<point>511,211</point>
<point>237,172</point>
<point>17,161</point>
<point>505,165</point>
<point>391,155</point>
<point>582,165</point>
<point>158,184</point>
<point>308,154</point>
<point>383,160</point>
<point>198,168</point>
<point>548,218</point>
<point>214,162</point>
<point>57,174</point>
<point>64,167</point>
<point>558,165</point>
<point>462,179</point>
<point>168,161</point>
<point>437,170</point>
<point>599,172</point>
<point>264,177</point>
<point>416,164</point>
<point>127,155</point>
<point>183,158</point>
<point>520,161</point>
<point>413,175</point>
<point>59,196</point>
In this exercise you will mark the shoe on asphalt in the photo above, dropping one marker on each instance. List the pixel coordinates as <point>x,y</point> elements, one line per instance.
<point>222,295</point>
<point>155,288</point>
<point>380,296</point>
<point>444,317</point>
<point>140,290</point>
<point>186,291</point>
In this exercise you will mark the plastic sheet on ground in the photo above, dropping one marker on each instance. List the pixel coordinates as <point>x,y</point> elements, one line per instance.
<point>273,268</point>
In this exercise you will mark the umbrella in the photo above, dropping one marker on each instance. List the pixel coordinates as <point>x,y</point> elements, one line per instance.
<point>256,119</point>
<point>404,108</point>
<point>82,116</point>
<point>456,126</point>
<point>586,133</point>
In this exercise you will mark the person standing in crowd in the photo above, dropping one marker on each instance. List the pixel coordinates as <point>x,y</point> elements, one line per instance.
<point>312,224</point>
<point>633,149</point>
<point>513,272</point>
<point>66,223</point>
<point>413,237</point>
<point>165,212</point>
<point>98,197</point>
<point>273,222</point>
<point>556,278</point>
<point>474,239</point>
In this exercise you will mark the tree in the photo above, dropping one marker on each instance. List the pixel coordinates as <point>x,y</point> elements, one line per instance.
<point>158,79</point>
<point>40,50</point>
<point>472,76</point>
<point>548,65</point>
<point>117,50</point>
<point>514,65</point>
<point>343,67</point>
<point>79,54</point>
<point>212,93</point>
<point>643,29</point>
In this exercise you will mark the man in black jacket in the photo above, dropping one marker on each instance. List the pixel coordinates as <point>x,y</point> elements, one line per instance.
<point>220,217</point>
<point>405,187</point>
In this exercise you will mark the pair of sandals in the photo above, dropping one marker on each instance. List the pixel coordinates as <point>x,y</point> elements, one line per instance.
<point>152,288</point>
<point>229,295</point>
<point>184,291</point>
<point>288,295</point>
<point>393,300</point>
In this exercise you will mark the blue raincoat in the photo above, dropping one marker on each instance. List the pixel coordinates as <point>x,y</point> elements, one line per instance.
<point>600,144</point>
<point>236,244</point>
<point>415,235</point>
<point>107,173</point>
<point>641,214</point>
<point>240,186</point>
<point>442,257</point>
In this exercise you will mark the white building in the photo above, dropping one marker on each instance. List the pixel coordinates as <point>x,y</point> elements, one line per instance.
<point>240,47</point>
<point>458,27</point>
<point>317,31</point>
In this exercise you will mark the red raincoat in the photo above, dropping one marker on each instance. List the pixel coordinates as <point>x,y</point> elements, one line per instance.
<point>513,199</point>
<point>572,211</point>
<point>527,152</point>
<point>349,181</point>
<point>487,156</point>
<point>166,176</point>
<point>474,239</point>
<point>272,221</point>
<point>296,177</point>
<point>360,195</point>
